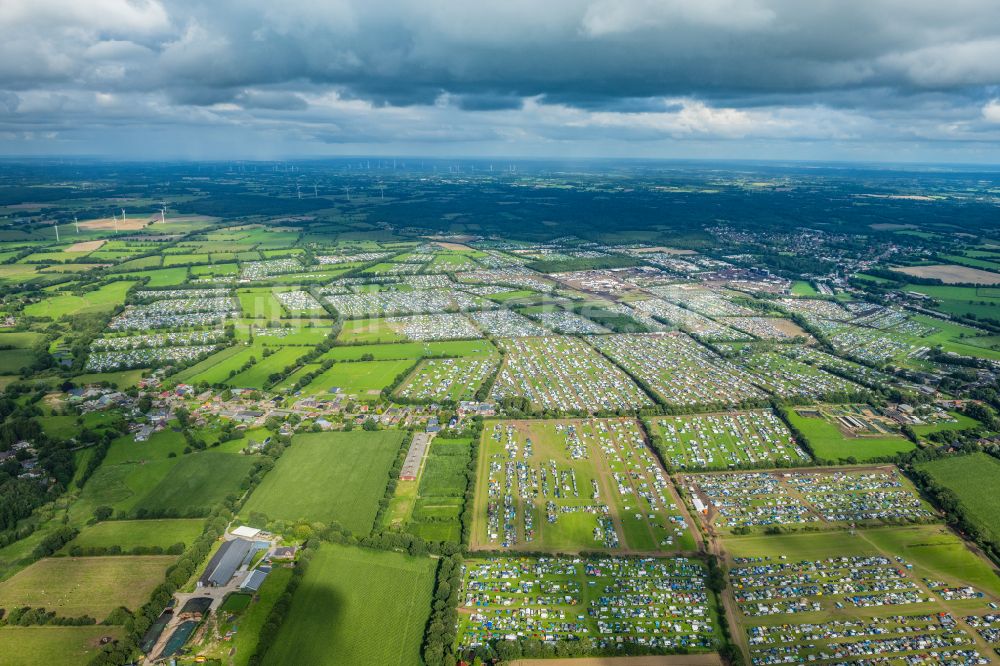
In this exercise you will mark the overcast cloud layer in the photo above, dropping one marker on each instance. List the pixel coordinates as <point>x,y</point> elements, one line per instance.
<point>814,79</point>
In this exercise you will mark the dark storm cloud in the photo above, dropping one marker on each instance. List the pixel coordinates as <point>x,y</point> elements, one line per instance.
<point>513,72</point>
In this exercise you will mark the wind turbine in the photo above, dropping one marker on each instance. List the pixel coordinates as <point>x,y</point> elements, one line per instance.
<point>316,190</point>
<point>298,191</point>
<point>163,212</point>
<point>76,223</point>
<point>348,190</point>
<point>114,216</point>
<point>381,189</point>
<point>56,225</point>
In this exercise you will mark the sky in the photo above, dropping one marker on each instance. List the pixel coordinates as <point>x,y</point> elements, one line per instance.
<point>865,80</point>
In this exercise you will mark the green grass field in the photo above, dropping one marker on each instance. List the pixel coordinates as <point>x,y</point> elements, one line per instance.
<point>411,350</point>
<point>829,443</point>
<point>129,534</point>
<point>803,288</point>
<point>328,477</point>
<point>94,586</point>
<point>122,379</point>
<point>365,379</point>
<point>975,479</point>
<point>436,507</point>
<point>103,299</point>
<point>357,606</point>
<point>257,376</point>
<point>210,365</point>
<point>197,483</point>
<point>52,646</point>
<point>368,331</point>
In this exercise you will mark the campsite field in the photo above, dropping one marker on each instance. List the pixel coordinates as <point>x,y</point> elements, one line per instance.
<point>725,440</point>
<point>129,534</point>
<point>804,499</point>
<point>52,646</point>
<point>611,601</point>
<point>574,485</point>
<point>911,578</point>
<point>974,479</point>
<point>328,477</point>
<point>357,606</point>
<point>563,373</point>
<point>830,442</point>
<point>94,586</point>
<point>451,379</point>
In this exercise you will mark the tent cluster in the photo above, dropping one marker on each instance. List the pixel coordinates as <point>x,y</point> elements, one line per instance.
<point>565,374</point>
<point>678,369</point>
<point>298,301</point>
<point>659,603</point>
<point>449,378</point>
<point>435,327</point>
<point>728,439</point>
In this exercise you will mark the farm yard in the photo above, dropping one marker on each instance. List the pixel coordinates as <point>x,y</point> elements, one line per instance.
<point>581,485</point>
<point>848,432</point>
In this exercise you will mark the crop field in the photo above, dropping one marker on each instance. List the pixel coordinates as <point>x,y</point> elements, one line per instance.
<point>328,477</point>
<point>94,586</point>
<point>881,594</point>
<point>725,440</point>
<point>362,379</point>
<point>661,604</point>
<point>825,430</point>
<point>952,274</point>
<point>52,646</point>
<point>451,379</point>
<point>357,606</point>
<point>678,370</point>
<point>574,485</point>
<point>563,373</point>
<point>743,502</point>
<point>134,477</point>
<point>197,483</point>
<point>974,479</point>
<point>129,534</point>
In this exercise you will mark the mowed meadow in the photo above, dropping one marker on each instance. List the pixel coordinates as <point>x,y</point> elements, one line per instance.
<point>328,477</point>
